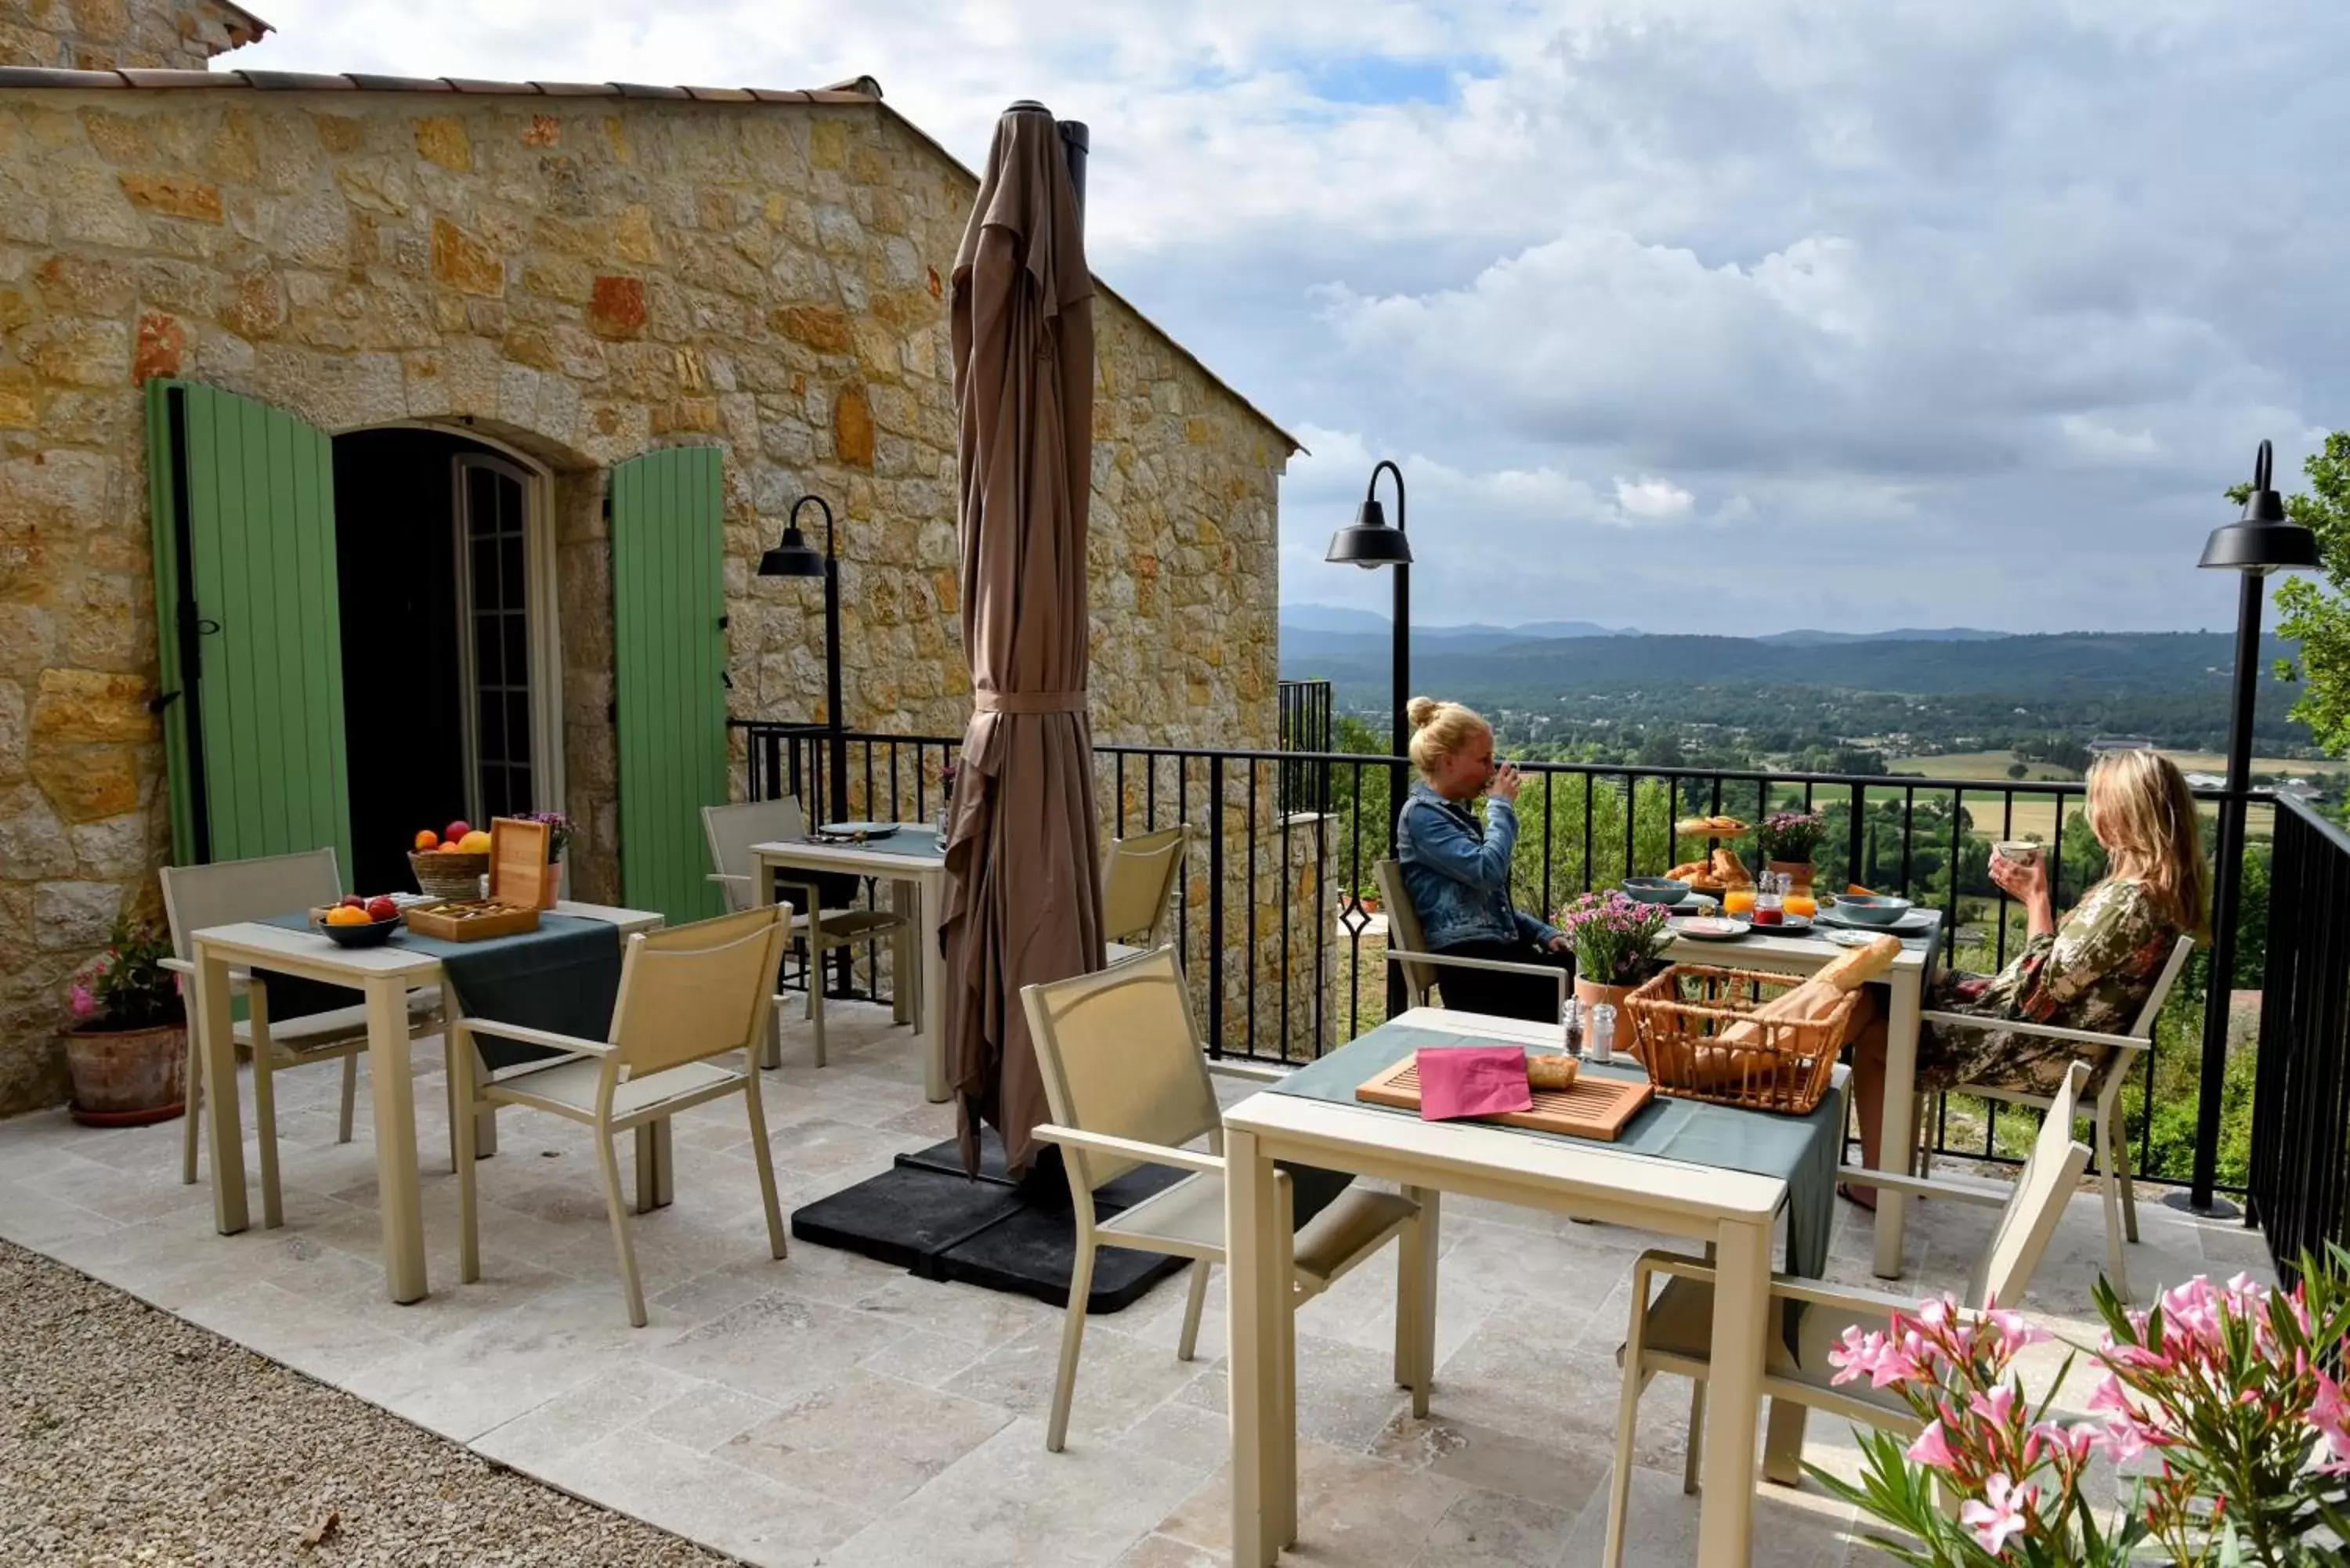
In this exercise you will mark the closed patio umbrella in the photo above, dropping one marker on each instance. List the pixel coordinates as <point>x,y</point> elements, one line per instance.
<point>1024,872</point>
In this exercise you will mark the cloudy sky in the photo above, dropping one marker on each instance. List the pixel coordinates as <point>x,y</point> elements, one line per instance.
<point>1739,314</point>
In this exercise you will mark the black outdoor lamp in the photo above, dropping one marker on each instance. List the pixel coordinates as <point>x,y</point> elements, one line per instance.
<point>1371,543</point>
<point>795,557</point>
<point>2261,541</point>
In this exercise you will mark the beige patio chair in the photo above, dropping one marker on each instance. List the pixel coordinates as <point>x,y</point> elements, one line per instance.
<point>731,831</point>
<point>227,892</point>
<point>687,994</point>
<point>1408,947</point>
<point>2107,1079</point>
<point>1138,888</point>
<point>1126,1077</point>
<point>1674,1333</point>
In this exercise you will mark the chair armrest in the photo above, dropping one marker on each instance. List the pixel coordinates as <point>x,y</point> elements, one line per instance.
<point>1129,1148</point>
<point>2043,1031</point>
<point>1787,1287</point>
<point>238,979</point>
<point>1501,966</point>
<point>1918,1187</point>
<point>468,1027</point>
<point>727,876</point>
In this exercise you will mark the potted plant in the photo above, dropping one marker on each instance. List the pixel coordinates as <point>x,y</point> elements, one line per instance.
<point>2227,1389</point>
<point>1788,839</point>
<point>1619,943</point>
<point>127,1036</point>
<point>559,834</point>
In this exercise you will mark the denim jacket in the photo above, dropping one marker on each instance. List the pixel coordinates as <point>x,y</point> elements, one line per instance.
<point>1456,871</point>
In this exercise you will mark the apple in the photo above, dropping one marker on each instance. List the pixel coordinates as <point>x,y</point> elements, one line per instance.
<point>353,901</point>
<point>456,830</point>
<point>381,908</point>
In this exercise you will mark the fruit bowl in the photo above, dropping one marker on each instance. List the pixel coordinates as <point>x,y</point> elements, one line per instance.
<point>447,875</point>
<point>373,934</point>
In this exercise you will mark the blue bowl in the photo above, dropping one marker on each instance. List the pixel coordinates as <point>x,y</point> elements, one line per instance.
<point>1656,889</point>
<point>1871,909</point>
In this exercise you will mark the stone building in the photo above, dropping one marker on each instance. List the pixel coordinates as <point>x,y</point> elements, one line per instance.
<point>303,378</point>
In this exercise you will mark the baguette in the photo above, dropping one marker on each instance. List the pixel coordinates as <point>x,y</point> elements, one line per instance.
<point>1822,997</point>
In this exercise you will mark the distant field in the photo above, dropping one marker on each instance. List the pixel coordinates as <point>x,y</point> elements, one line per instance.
<point>1975,766</point>
<point>2036,817</point>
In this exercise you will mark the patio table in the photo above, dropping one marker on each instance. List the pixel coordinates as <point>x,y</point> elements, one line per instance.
<point>1801,953</point>
<point>913,862</point>
<point>1314,1120</point>
<point>384,975</point>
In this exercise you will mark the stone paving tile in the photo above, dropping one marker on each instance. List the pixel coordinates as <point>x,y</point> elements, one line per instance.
<point>827,1406</point>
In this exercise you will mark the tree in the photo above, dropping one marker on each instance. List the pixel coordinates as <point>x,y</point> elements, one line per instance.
<point>2317,614</point>
<point>2017,770</point>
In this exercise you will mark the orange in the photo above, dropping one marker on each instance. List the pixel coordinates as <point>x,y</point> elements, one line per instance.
<point>428,839</point>
<point>344,915</point>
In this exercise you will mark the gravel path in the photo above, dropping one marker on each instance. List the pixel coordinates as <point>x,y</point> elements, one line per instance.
<point>129,1438</point>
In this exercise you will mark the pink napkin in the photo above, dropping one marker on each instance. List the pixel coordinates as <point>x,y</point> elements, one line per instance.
<point>1458,1081</point>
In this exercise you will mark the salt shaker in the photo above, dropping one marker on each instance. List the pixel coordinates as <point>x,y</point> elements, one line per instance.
<point>1599,1038</point>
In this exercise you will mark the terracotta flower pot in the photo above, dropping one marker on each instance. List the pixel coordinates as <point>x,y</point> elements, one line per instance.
<point>127,1077</point>
<point>1587,991</point>
<point>1797,872</point>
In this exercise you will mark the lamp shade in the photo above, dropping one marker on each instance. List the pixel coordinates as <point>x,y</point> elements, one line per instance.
<point>794,557</point>
<point>2264,539</point>
<point>1370,543</point>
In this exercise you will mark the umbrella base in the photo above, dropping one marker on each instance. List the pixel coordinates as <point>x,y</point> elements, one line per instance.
<point>926,1216</point>
<point>1000,1235</point>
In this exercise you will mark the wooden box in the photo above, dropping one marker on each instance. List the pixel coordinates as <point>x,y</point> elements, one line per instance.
<point>470,920</point>
<point>520,874</point>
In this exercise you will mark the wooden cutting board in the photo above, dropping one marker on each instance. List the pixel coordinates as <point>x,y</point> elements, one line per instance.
<point>1593,1107</point>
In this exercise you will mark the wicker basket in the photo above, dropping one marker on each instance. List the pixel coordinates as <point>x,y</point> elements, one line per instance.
<point>1695,1030</point>
<point>447,875</point>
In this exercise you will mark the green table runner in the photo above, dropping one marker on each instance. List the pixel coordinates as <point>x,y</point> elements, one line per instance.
<point>563,977</point>
<point>1803,1152</point>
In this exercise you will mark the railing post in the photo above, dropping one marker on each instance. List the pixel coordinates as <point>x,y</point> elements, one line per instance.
<point>1215,902</point>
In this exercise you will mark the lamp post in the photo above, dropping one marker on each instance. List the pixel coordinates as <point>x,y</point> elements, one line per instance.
<point>795,557</point>
<point>1370,544</point>
<point>2264,540</point>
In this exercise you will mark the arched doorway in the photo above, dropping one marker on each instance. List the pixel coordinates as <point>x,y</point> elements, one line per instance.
<point>451,668</point>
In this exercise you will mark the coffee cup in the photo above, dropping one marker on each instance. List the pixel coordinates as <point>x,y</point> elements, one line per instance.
<point>2016,851</point>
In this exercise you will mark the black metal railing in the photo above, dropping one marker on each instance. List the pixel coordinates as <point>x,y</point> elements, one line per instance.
<point>2300,1095</point>
<point>1306,726</point>
<point>1278,924</point>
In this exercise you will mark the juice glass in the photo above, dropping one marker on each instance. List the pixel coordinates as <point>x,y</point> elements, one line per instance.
<point>1737,900</point>
<point>1803,904</point>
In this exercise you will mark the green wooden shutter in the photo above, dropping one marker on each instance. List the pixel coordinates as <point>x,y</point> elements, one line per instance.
<point>670,658</point>
<point>243,499</point>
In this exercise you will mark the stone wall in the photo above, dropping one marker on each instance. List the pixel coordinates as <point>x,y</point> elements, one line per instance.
<point>106,35</point>
<point>581,280</point>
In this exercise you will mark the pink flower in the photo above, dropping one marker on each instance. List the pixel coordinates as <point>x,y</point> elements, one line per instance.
<point>2124,1439</point>
<point>2000,1515</point>
<point>83,1004</point>
<point>1995,1407</point>
<point>2109,1396</point>
<point>2014,1333</point>
<point>2074,1442</point>
<point>2330,1414</point>
<point>2194,1307</point>
<point>1933,1448</point>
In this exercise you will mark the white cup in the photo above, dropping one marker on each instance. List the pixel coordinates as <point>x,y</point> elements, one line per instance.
<point>2016,851</point>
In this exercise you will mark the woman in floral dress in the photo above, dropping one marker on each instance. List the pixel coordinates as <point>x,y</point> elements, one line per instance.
<point>2093,971</point>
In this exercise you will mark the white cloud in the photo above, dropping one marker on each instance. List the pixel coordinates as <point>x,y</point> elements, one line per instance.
<point>1655,499</point>
<point>1945,312</point>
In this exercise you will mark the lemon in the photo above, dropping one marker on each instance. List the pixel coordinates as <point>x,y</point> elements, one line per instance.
<point>344,915</point>
<point>475,843</point>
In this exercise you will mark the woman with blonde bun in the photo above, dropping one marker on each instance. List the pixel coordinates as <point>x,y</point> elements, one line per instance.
<point>2092,970</point>
<point>1456,868</point>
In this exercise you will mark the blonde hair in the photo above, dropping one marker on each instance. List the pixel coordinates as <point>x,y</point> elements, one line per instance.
<point>2142,811</point>
<point>1439,730</point>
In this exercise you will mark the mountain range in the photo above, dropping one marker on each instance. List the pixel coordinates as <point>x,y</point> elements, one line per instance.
<point>1328,633</point>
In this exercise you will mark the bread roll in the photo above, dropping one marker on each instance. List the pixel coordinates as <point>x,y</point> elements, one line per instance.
<point>1551,1072</point>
